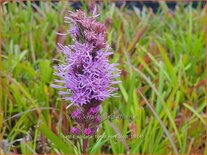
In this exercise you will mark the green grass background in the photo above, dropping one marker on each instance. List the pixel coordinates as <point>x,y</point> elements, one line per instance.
<point>161,100</point>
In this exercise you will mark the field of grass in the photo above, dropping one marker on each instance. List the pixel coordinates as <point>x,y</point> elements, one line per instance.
<point>160,107</point>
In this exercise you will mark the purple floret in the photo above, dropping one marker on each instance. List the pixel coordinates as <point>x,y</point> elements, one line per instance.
<point>75,131</point>
<point>87,131</point>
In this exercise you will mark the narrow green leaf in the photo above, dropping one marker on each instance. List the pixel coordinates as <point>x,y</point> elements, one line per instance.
<point>57,141</point>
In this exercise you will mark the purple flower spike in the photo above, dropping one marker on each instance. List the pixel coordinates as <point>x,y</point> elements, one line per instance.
<point>87,131</point>
<point>88,74</point>
<point>87,77</point>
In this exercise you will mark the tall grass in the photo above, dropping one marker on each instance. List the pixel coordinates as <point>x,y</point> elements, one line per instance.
<point>160,106</point>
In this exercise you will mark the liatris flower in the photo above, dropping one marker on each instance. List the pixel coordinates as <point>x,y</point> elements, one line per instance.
<point>87,76</point>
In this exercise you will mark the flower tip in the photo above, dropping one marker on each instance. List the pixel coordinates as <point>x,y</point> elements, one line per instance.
<point>69,105</point>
